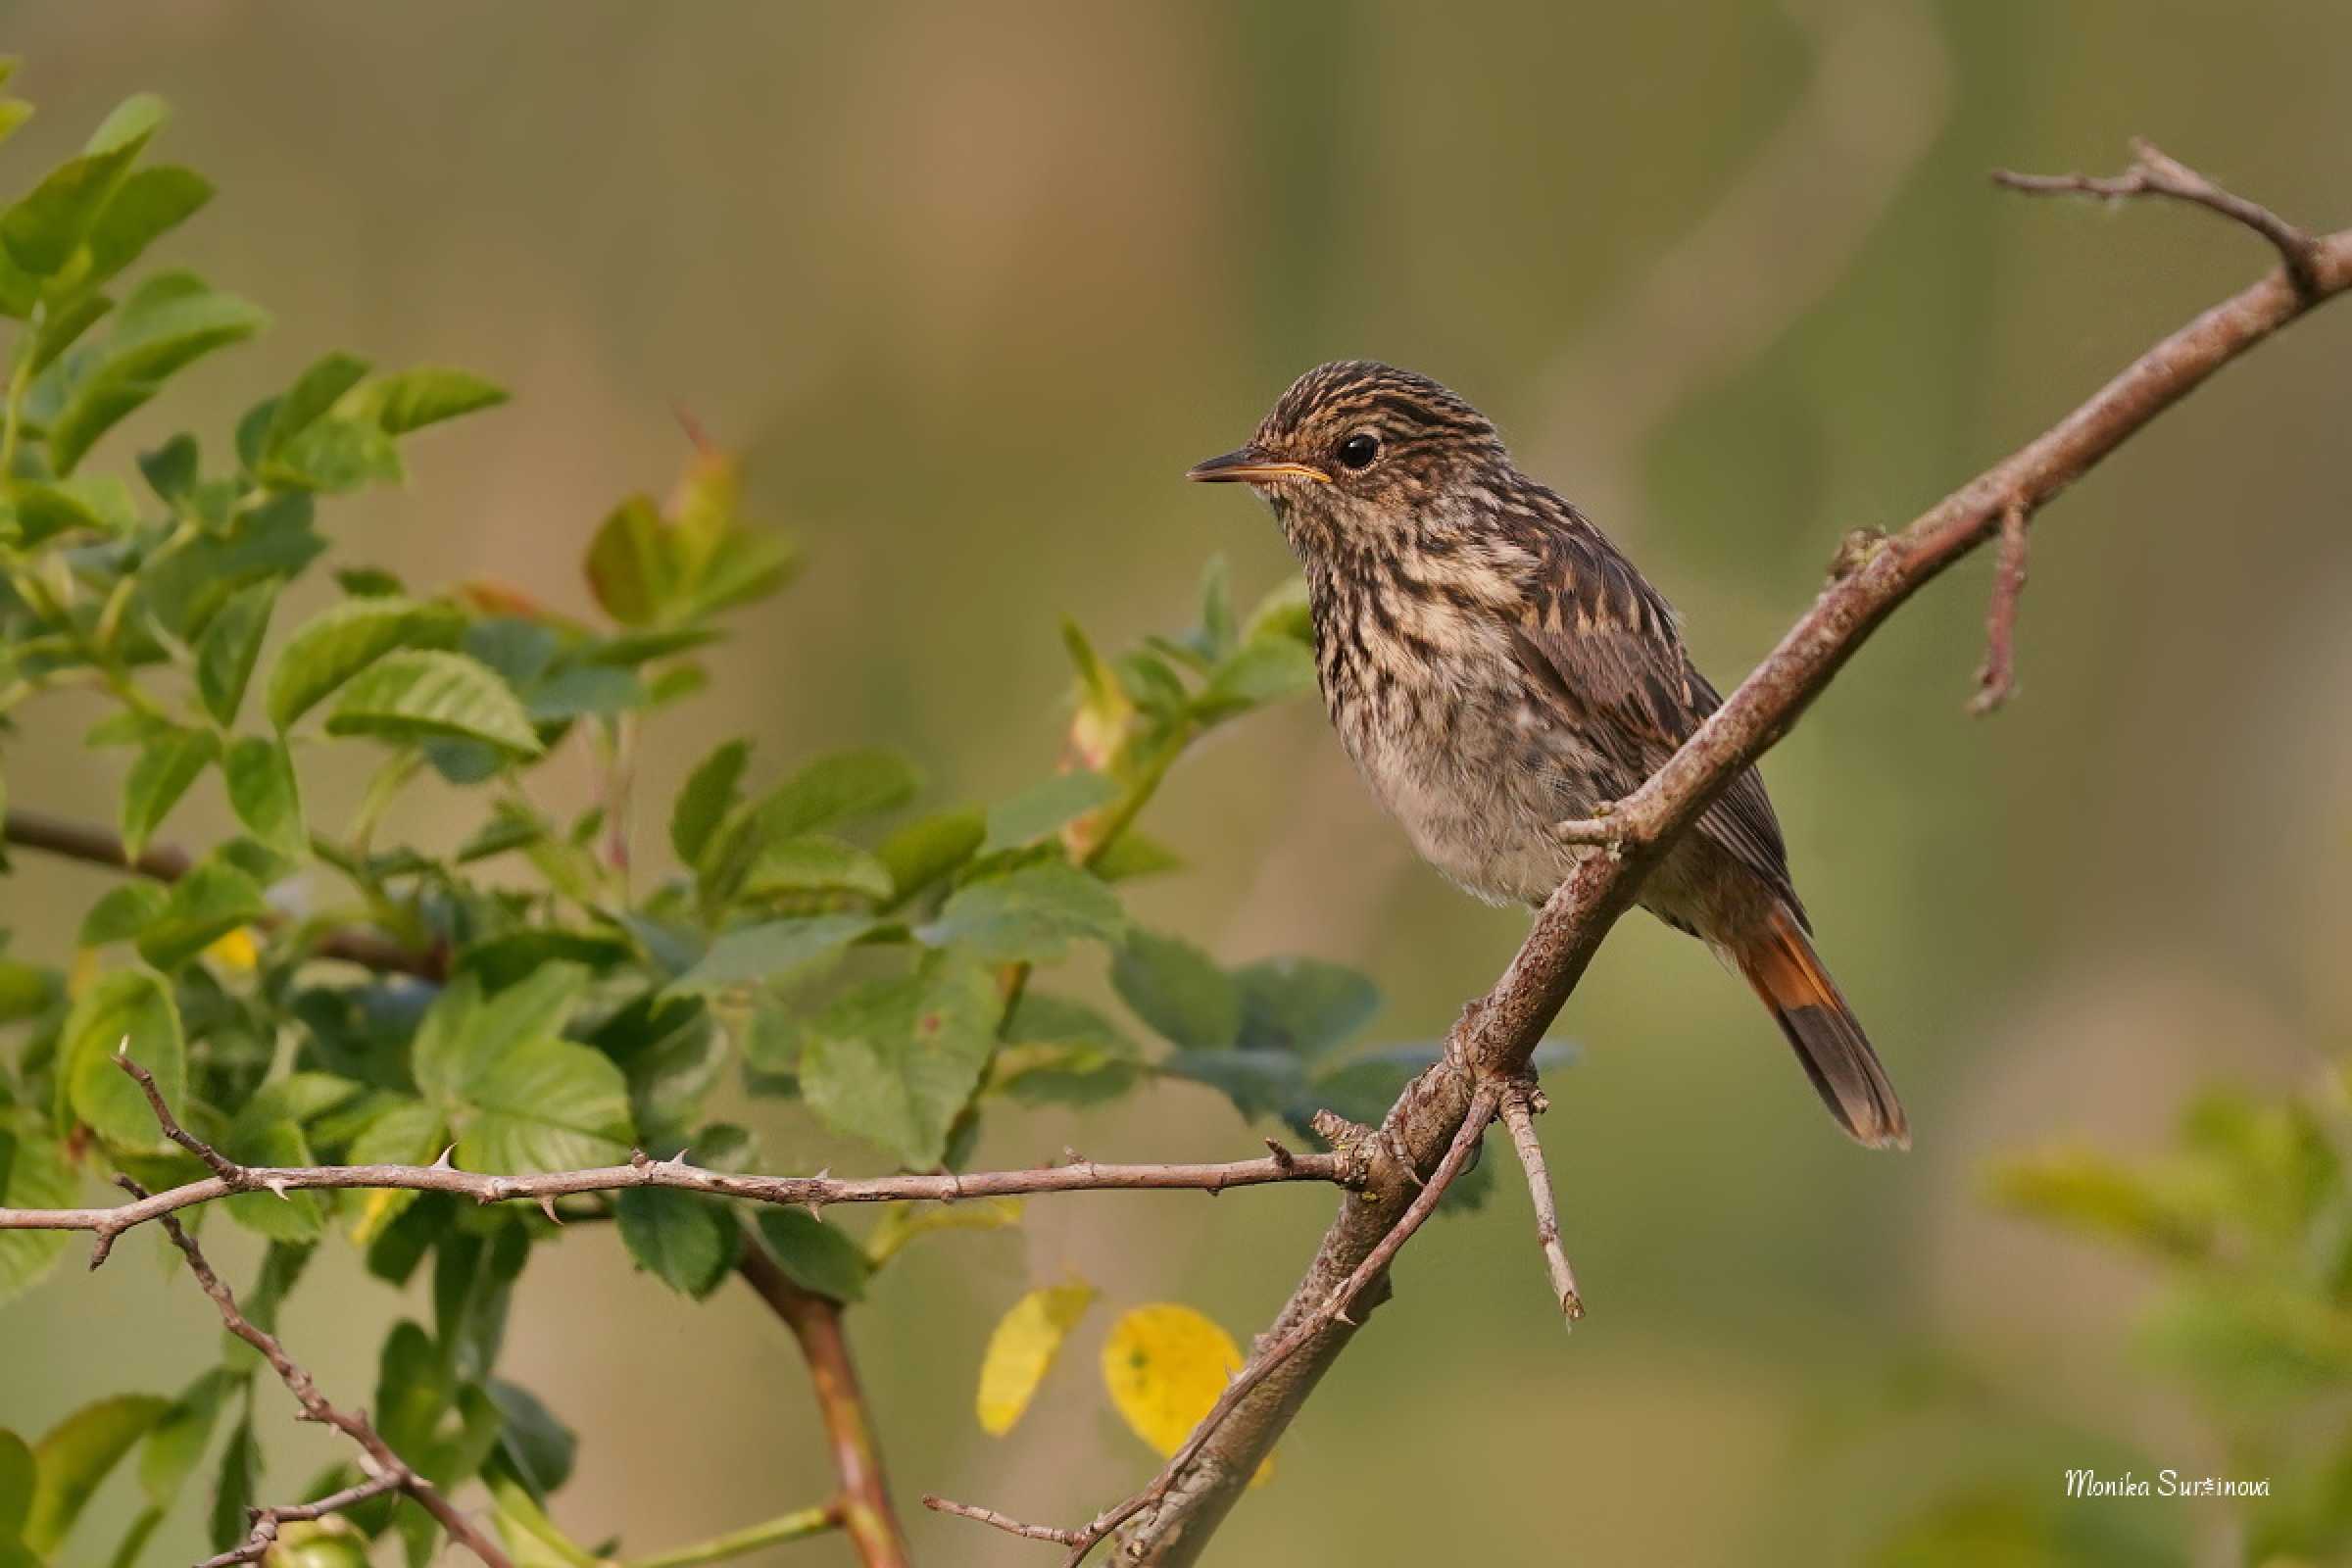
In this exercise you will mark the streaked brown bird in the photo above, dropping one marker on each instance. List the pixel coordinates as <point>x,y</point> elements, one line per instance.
<point>1494,666</point>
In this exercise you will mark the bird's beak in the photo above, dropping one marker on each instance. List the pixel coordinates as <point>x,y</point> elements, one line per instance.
<point>1253,466</point>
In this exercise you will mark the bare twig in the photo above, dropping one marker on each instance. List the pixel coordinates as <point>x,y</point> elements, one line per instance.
<point>1996,678</point>
<point>1497,1034</point>
<point>315,1405</point>
<point>1005,1522</point>
<point>80,840</point>
<point>266,1521</point>
<point>1521,1104</point>
<point>2153,174</point>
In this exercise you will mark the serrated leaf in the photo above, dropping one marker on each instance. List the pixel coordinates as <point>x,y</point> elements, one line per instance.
<point>404,1133</point>
<point>131,1004</point>
<point>79,1453</point>
<point>419,695</point>
<point>120,913</point>
<point>263,792</point>
<point>774,952</point>
<point>159,777</point>
<point>147,204</point>
<point>168,322</point>
<point>815,1255</point>
<point>43,231</point>
<point>1260,672</point>
<point>633,564</point>
<point>1166,1365</point>
<point>685,1239</point>
<point>307,401</point>
<point>98,505</point>
<point>34,1174</point>
<point>426,394</point>
<point>231,644</point>
<point>1178,989</point>
<point>1021,1350</point>
<point>1058,1051</point>
<point>1044,808</point>
<point>340,641</point>
<point>710,793</point>
<point>298,1219</point>
<point>893,1062</point>
<point>178,1438</point>
<point>212,900</point>
<point>534,1442</point>
<point>834,789</point>
<point>1032,913</point>
<point>333,456</point>
<point>1303,1004</point>
<point>545,1104</point>
<point>924,851</point>
<point>1259,1083</point>
<point>815,864</point>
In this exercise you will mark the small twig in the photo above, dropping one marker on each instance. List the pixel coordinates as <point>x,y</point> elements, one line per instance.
<point>1005,1522</point>
<point>266,1521</point>
<point>220,1164</point>
<point>796,1526</point>
<point>1520,1105</point>
<point>1996,678</point>
<point>2153,174</point>
<point>315,1405</point>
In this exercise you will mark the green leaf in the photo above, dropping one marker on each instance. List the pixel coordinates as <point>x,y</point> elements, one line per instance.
<point>339,642</point>
<point>1303,1004</point>
<point>545,1104</point>
<point>147,204</point>
<point>413,1388</point>
<point>307,401</point>
<point>1132,856</point>
<point>34,1174</point>
<point>773,952</point>
<point>237,1490</point>
<point>16,1480</point>
<point>464,1028</point>
<point>710,793</point>
<point>926,850</point>
<point>179,1436</point>
<point>835,789</point>
<point>297,1218</point>
<point>170,321</point>
<point>1262,672</point>
<point>165,769</point>
<point>212,900</point>
<point>1032,913</point>
<point>532,1441</point>
<point>264,794</point>
<point>335,455</point>
<point>1178,989</point>
<point>42,512</point>
<point>1058,1051</point>
<point>1217,634</point>
<point>134,1006</point>
<point>815,1255</point>
<point>1259,1083</point>
<point>407,1132</point>
<point>418,695</point>
<point>893,1062</point>
<point>120,913</point>
<point>76,1455</point>
<point>747,566</point>
<point>171,470</point>
<point>817,864</point>
<point>2101,1196</point>
<point>633,564</point>
<point>412,399</point>
<point>43,231</point>
<point>1283,612</point>
<point>686,1241</point>
<point>225,653</point>
<point>1044,808</point>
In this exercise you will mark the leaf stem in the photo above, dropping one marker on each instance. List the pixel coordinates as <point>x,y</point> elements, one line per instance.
<point>798,1525</point>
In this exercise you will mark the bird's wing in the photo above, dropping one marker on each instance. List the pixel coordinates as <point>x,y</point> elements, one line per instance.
<point>1602,646</point>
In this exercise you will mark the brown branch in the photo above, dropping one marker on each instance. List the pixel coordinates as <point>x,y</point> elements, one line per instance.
<point>2152,174</point>
<point>1005,1522</point>
<point>94,845</point>
<point>266,1521</point>
<point>1521,1104</point>
<point>864,1501</point>
<point>315,1405</point>
<point>793,1192</point>
<point>1497,1034</point>
<point>1996,678</point>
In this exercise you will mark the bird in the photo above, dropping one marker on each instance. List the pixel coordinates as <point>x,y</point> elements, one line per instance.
<point>1495,665</point>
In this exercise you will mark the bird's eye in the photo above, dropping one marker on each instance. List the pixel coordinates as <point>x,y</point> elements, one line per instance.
<point>1358,450</point>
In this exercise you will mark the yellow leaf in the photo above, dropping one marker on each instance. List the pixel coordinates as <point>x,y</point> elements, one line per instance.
<point>236,950</point>
<point>1022,1347</point>
<point>1165,1366</point>
<point>906,1221</point>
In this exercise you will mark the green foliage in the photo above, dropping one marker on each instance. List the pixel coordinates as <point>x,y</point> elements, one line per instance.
<point>823,937</point>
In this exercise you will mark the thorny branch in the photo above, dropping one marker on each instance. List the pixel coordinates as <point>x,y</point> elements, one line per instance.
<point>388,1467</point>
<point>266,1521</point>
<point>813,1193</point>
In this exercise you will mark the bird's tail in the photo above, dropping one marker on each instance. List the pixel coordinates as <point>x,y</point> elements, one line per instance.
<point>1778,961</point>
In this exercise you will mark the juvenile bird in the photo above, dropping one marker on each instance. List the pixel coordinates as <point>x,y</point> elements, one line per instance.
<point>1494,666</point>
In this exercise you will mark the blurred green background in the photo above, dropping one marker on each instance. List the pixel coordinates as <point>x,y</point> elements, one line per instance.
<point>970,286</point>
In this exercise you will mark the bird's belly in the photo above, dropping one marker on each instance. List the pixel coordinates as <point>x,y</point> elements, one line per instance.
<point>1479,807</point>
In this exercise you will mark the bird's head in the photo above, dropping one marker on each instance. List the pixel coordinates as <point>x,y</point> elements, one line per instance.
<point>1358,455</point>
